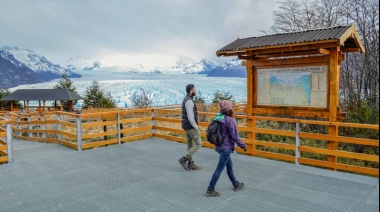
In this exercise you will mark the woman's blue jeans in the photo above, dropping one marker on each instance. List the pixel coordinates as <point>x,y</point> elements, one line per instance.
<point>224,161</point>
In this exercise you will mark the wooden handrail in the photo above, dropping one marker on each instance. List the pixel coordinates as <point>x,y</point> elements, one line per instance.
<point>96,120</point>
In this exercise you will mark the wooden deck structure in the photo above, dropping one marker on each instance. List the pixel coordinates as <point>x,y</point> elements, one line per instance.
<point>92,130</point>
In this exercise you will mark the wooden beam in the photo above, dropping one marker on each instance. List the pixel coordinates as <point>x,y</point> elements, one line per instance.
<point>333,100</point>
<point>251,91</point>
<point>351,50</point>
<point>295,47</point>
<point>292,61</point>
<point>242,57</point>
<point>287,54</point>
<point>324,51</point>
<point>296,113</point>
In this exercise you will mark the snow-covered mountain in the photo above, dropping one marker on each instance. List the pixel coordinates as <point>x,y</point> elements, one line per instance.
<point>38,63</point>
<point>182,66</point>
<point>14,73</point>
<point>190,66</point>
<point>231,68</point>
<point>81,63</point>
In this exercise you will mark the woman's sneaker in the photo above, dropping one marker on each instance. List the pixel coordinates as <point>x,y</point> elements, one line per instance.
<point>212,193</point>
<point>238,186</point>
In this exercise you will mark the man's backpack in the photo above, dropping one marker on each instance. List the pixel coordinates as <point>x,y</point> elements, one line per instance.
<point>214,134</point>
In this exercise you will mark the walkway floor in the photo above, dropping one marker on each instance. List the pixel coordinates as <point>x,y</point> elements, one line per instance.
<point>145,176</point>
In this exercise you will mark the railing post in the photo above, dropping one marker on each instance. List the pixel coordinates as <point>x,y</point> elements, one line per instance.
<point>153,123</point>
<point>18,125</point>
<point>59,128</point>
<point>43,127</point>
<point>297,143</point>
<point>79,133</point>
<point>118,128</point>
<point>29,127</point>
<point>9,143</point>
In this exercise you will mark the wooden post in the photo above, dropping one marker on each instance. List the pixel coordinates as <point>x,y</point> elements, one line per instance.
<point>60,105</point>
<point>27,105</point>
<point>79,133</point>
<point>333,99</point>
<point>250,101</point>
<point>118,128</point>
<point>44,104</point>
<point>105,129</point>
<point>11,105</point>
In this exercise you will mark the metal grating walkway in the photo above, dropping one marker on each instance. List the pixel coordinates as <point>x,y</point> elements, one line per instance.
<point>145,176</point>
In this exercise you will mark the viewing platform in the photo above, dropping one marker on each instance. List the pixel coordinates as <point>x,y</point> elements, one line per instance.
<point>145,176</point>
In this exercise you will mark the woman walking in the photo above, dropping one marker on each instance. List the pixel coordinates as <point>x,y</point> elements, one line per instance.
<point>228,127</point>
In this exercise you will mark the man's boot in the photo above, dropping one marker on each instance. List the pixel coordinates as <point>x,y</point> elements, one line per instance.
<point>183,162</point>
<point>192,166</point>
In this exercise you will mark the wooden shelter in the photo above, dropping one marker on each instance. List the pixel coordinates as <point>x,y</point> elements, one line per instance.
<point>295,74</point>
<point>56,95</point>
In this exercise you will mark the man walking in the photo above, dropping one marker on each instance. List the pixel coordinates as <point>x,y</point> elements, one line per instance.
<point>190,125</point>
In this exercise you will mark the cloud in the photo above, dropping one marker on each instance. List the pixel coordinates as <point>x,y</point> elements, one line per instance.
<point>99,29</point>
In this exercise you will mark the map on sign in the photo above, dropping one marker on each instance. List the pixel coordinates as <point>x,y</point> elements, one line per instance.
<point>300,86</point>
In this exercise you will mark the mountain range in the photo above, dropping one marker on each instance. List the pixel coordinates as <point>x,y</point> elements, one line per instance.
<point>22,66</point>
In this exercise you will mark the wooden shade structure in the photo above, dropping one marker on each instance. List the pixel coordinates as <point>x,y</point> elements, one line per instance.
<point>43,95</point>
<point>289,52</point>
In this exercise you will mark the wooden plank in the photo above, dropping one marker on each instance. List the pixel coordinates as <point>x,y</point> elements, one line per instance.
<point>3,153</point>
<point>65,123</point>
<point>38,131</point>
<point>169,129</point>
<point>135,120</point>
<point>136,129</point>
<point>276,132</point>
<point>326,123</point>
<point>248,141</point>
<point>341,139</point>
<point>295,47</point>
<point>245,129</point>
<point>68,144</point>
<point>3,147</point>
<point>51,140</point>
<point>282,48</point>
<point>71,135</point>
<point>297,113</point>
<point>98,124</point>
<point>137,137</point>
<point>337,153</point>
<point>99,143</point>
<point>169,137</point>
<point>35,139</point>
<point>339,166</point>
<point>3,142</point>
<point>292,61</point>
<point>50,122</point>
<point>275,145</point>
<point>3,134</point>
<point>93,135</point>
<point>271,155</point>
<point>3,159</point>
<point>166,111</point>
<point>168,120</point>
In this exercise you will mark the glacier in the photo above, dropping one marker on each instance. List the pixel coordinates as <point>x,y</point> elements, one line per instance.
<point>164,89</point>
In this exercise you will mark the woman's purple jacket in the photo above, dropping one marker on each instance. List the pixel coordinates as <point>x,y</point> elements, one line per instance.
<point>228,128</point>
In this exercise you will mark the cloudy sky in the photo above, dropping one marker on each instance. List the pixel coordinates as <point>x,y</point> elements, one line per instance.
<point>121,32</point>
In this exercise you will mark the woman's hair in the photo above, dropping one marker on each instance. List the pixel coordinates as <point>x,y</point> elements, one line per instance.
<point>229,113</point>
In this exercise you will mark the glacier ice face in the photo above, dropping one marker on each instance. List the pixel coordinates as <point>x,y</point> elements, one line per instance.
<point>165,89</point>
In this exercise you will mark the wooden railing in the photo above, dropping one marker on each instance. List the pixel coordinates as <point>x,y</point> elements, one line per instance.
<point>292,143</point>
<point>293,149</point>
<point>5,141</point>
